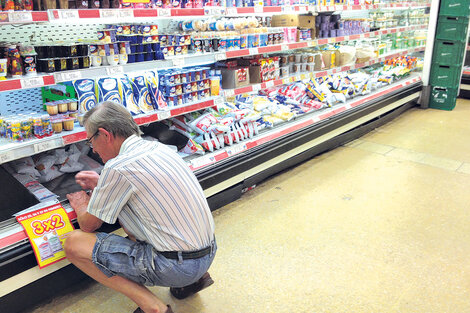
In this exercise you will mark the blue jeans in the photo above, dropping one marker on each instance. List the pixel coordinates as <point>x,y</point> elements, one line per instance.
<point>139,262</point>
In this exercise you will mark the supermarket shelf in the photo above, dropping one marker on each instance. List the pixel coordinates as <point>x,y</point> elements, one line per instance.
<point>180,61</point>
<point>15,150</point>
<point>311,43</point>
<point>72,15</point>
<point>20,17</point>
<point>297,77</point>
<point>197,163</point>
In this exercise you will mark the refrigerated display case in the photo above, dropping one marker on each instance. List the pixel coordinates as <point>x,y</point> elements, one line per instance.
<point>392,29</point>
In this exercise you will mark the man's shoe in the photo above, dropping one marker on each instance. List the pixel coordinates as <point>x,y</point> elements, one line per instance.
<point>168,310</point>
<point>184,292</point>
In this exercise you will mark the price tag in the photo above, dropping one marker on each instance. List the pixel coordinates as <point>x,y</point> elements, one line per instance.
<point>253,51</point>
<point>200,161</point>
<point>302,9</point>
<point>67,76</point>
<point>47,145</point>
<point>164,12</point>
<point>20,17</point>
<point>256,87</point>
<point>269,84</point>
<point>126,13</point>
<point>297,77</point>
<point>258,9</point>
<point>235,149</point>
<point>316,119</point>
<point>164,115</point>
<point>311,8</point>
<point>178,62</point>
<point>113,70</point>
<point>347,106</point>
<point>229,93</point>
<point>68,14</point>
<point>231,11</point>
<point>220,56</point>
<point>6,157</point>
<point>285,81</point>
<point>32,82</point>
<point>285,47</point>
<point>303,76</point>
<point>109,14</point>
<point>312,43</point>
<point>218,101</point>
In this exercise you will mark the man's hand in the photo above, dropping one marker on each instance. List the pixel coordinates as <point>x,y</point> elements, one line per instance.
<point>79,201</point>
<point>87,179</point>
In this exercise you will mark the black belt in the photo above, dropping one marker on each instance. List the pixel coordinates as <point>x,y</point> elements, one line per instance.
<point>186,254</point>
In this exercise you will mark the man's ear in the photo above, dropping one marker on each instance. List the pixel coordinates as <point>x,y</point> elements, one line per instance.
<point>108,135</point>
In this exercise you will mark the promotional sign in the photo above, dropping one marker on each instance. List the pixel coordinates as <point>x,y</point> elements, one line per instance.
<point>46,229</point>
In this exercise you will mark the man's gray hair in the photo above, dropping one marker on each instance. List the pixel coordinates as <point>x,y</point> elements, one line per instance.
<point>113,117</point>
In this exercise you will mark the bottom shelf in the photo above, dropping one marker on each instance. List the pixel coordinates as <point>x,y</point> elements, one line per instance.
<point>308,119</point>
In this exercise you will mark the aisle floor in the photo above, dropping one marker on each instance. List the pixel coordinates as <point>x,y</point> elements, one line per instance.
<point>377,225</point>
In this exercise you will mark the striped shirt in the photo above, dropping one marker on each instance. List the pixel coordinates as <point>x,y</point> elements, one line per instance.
<point>155,196</point>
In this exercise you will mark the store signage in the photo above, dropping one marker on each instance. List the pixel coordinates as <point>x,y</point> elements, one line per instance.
<point>20,17</point>
<point>46,229</point>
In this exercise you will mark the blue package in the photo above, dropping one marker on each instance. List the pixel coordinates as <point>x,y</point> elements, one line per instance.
<point>141,93</point>
<point>86,96</point>
<point>151,78</point>
<point>108,90</point>
<point>127,95</point>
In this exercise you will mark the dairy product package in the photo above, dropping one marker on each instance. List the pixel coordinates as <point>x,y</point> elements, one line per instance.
<point>86,96</point>
<point>108,90</point>
<point>151,78</point>
<point>127,95</point>
<point>141,93</point>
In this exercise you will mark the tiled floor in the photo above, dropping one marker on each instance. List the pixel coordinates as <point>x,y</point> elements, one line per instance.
<point>379,225</point>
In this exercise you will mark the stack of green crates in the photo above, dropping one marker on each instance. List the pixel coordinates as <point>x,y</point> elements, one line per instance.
<point>449,49</point>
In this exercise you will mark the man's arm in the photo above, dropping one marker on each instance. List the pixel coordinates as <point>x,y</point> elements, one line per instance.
<point>79,202</point>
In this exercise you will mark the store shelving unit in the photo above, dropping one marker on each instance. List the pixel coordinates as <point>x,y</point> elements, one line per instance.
<point>224,173</point>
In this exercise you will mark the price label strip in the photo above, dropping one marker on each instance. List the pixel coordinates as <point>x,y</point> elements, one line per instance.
<point>179,62</point>
<point>164,12</point>
<point>113,14</point>
<point>164,115</point>
<point>20,17</point>
<point>67,76</point>
<point>113,70</point>
<point>46,229</point>
<point>6,157</point>
<point>48,145</point>
<point>219,101</point>
<point>68,14</point>
<point>126,13</point>
<point>32,82</point>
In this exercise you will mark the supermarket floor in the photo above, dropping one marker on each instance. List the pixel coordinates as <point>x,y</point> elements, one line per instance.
<point>378,225</point>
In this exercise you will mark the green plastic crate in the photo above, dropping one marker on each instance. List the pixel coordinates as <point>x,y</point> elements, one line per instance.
<point>452,28</point>
<point>58,92</point>
<point>445,75</point>
<point>448,52</point>
<point>443,98</point>
<point>454,8</point>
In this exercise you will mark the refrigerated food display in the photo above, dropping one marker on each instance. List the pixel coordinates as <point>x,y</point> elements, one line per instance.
<point>242,92</point>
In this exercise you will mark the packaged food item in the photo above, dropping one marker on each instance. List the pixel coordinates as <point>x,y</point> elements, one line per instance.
<point>151,78</point>
<point>52,108</point>
<point>108,90</point>
<point>85,89</point>
<point>127,95</point>
<point>141,93</point>
<point>68,123</point>
<point>57,125</point>
<point>63,106</point>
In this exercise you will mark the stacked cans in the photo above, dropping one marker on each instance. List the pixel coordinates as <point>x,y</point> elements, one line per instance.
<point>185,85</point>
<point>144,44</point>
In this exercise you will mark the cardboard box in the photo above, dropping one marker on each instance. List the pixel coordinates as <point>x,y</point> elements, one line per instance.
<point>303,21</point>
<point>235,77</point>
<point>306,21</point>
<point>318,62</point>
<point>285,20</point>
